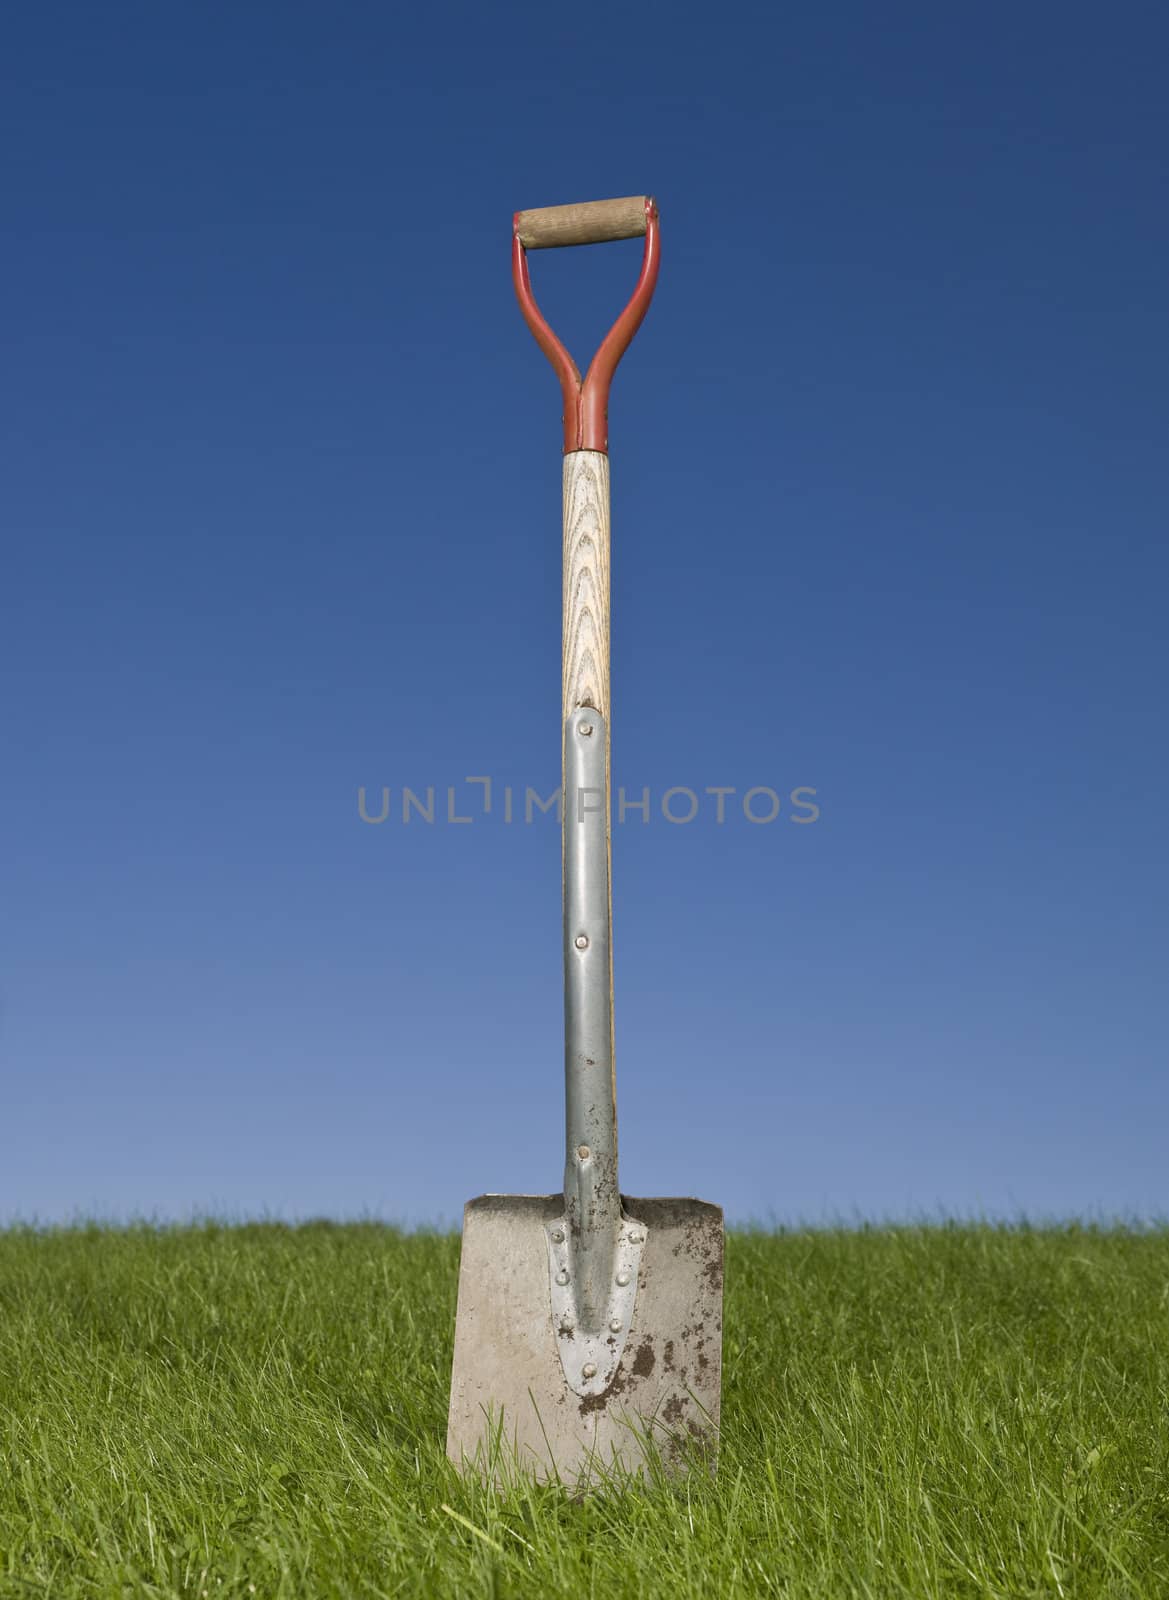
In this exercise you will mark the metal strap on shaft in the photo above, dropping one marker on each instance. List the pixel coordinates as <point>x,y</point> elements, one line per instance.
<point>595,1252</point>
<point>591,1195</point>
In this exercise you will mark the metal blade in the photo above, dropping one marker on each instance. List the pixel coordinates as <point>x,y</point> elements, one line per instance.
<point>511,1405</point>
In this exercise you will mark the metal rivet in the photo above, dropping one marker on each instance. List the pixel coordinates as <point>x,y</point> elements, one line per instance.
<point>589,1370</point>
<point>622,1278</point>
<point>584,729</point>
<point>635,1237</point>
<point>581,941</point>
<point>558,1236</point>
<point>583,1152</point>
<point>615,1325</point>
<point>562,1276</point>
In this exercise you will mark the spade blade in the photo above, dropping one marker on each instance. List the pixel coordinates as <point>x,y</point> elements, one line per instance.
<point>511,1405</point>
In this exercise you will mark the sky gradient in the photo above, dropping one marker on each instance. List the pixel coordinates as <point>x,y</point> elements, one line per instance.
<point>281,520</point>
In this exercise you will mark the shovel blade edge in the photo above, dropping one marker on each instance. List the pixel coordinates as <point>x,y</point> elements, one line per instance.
<point>511,1409</point>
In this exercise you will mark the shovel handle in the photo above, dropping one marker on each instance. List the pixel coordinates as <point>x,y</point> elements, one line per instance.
<point>586,400</point>
<point>587,222</point>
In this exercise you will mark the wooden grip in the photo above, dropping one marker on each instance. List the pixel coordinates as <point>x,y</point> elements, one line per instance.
<point>589,222</point>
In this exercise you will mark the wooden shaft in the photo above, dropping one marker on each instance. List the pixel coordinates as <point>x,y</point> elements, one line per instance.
<point>588,222</point>
<point>585,674</point>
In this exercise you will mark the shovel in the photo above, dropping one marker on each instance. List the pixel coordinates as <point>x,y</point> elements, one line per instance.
<point>588,1336</point>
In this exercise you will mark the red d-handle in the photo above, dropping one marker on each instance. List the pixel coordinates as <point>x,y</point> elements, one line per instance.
<point>586,401</point>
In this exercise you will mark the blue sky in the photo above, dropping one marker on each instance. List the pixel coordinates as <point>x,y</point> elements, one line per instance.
<point>281,520</point>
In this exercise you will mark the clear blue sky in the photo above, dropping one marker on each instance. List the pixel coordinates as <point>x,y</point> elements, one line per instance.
<point>281,519</point>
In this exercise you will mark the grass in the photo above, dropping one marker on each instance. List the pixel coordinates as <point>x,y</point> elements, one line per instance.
<point>228,1411</point>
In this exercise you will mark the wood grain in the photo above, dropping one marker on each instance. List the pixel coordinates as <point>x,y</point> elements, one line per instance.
<point>585,675</point>
<point>587,222</point>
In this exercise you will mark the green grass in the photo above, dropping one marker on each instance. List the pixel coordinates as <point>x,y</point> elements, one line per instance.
<point>228,1411</point>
